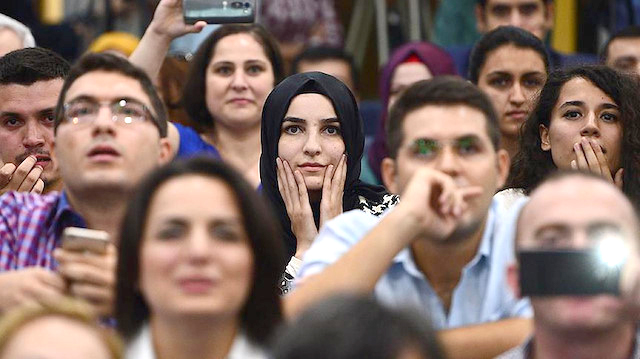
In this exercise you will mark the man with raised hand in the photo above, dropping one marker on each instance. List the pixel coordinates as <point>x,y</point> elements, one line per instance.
<point>30,82</point>
<point>439,251</point>
<point>110,131</point>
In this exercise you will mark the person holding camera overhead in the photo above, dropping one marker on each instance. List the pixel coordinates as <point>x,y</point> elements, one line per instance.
<point>231,75</point>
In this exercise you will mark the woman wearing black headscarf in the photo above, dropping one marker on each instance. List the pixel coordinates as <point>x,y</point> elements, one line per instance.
<point>312,143</point>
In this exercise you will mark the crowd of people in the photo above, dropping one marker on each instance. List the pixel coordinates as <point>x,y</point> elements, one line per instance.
<point>488,209</point>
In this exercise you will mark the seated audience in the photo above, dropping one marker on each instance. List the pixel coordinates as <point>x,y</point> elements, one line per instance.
<point>62,329</point>
<point>333,61</point>
<point>408,64</point>
<point>439,251</point>
<point>350,327</point>
<point>510,65</point>
<point>622,51</point>
<point>534,16</point>
<point>231,75</point>
<point>570,211</point>
<point>312,144</point>
<point>110,128</point>
<point>30,82</point>
<point>14,35</point>
<point>586,118</point>
<point>198,265</point>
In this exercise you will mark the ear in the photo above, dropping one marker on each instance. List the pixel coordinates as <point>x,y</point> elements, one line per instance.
<point>550,15</point>
<point>388,173</point>
<point>166,152</point>
<point>504,162</point>
<point>481,24</point>
<point>513,278</point>
<point>544,138</point>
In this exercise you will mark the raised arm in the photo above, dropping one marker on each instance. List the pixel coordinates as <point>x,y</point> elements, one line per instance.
<point>415,216</point>
<point>166,25</point>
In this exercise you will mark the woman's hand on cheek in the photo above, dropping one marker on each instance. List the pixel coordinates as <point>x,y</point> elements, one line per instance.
<point>296,200</point>
<point>333,190</point>
<point>590,158</point>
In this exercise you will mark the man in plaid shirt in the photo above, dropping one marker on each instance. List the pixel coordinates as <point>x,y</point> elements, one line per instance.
<point>110,130</point>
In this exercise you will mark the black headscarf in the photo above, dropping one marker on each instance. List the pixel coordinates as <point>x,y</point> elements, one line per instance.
<point>346,109</point>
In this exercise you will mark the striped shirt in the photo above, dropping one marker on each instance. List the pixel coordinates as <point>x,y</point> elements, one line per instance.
<point>30,228</point>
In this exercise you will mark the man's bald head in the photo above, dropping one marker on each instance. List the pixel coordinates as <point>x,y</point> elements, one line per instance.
<point>574,199</point>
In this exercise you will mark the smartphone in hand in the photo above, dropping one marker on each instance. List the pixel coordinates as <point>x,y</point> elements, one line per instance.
<point>83,239</point>
<point>219,11</point>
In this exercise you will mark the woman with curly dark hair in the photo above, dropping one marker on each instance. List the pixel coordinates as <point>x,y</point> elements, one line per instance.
<point>588,119</point>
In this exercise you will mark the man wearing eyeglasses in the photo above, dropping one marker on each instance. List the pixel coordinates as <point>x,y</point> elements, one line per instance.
<point>110,130</point>
<point>440,251</point>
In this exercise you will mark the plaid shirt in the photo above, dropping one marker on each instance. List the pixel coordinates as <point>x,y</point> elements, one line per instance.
<point>30,228</point>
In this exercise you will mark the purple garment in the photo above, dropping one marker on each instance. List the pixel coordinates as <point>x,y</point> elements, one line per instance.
<point>30,228</point>
<point>294,21</point>
<point>438,62</point>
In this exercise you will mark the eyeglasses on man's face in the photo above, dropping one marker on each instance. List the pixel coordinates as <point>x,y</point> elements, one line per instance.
<point>84,111</point>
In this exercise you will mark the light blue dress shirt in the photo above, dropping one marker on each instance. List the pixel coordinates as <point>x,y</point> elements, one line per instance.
<point>482,295</point>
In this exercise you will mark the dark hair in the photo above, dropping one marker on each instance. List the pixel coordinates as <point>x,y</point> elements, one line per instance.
<point>112,63</point>
<point>628,32</point>
<point>502,36</point>
<point>262,311</point>
<point>439,91</point>
<point>350,327</point>
<point>33,64</point>
<point>323,53</point>
<point>483,3</point>
<point>194,92</point>
<point>531,164</point>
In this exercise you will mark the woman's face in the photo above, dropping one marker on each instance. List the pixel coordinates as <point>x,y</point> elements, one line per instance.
<point>310,138</point>
<point>405,75</point>
<point>195,257</point>
<point>583,111</point>
<point>238,79</point>
<point>511,77</point>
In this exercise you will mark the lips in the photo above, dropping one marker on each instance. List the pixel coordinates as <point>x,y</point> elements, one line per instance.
<point>240,101</point>
<point>103,152</point>
<point>311,167</point>
<point>42,160</point>
<point>196,285</point>
<point>517,115</point>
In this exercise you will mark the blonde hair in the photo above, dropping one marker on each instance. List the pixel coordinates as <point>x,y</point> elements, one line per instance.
<point>68,308</point>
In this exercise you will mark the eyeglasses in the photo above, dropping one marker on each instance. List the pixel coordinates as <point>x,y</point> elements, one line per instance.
<point>84,111</point>
<point>429,148</point>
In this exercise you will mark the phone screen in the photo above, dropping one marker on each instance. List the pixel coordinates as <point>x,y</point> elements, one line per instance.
<point>567,272</point>
<point>219,11</point>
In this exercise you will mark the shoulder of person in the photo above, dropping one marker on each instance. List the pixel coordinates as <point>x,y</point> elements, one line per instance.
<point>26,201</point>
<point>377,208</point>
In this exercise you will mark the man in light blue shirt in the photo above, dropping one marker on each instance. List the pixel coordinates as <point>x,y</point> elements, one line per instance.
<point>442,250</point>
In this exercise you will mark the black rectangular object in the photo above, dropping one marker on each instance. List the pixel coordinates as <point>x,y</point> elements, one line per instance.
<point>566,272</point>
<point>219,11</point>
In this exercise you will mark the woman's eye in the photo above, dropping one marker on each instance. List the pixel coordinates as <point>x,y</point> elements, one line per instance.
<point>609,117</point>
<point>292,130</point>
<point>172,232</point>
<point>255,70</point>
<point>571,115</point>
<point>226,233</point>
<point>332,130</point>
<point>532,83</point>
<point>499,82</point>
<point>223,70</point>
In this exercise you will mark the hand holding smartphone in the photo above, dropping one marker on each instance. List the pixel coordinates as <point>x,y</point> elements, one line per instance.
<point>219,11</point>
<point>82,239</point>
